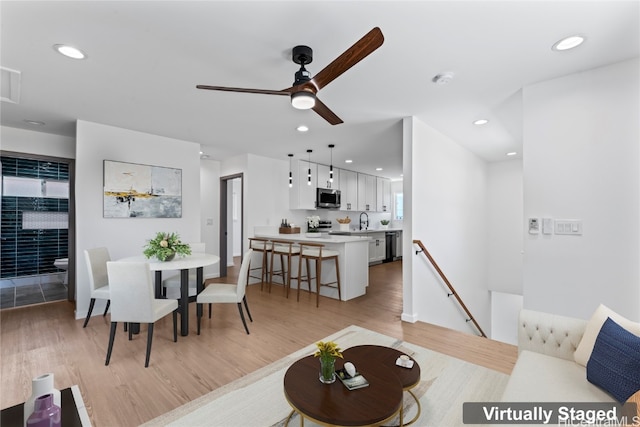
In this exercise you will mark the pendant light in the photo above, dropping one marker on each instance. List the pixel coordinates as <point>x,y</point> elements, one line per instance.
<point>331,164</point>
<point>290,175</point>
<point>309,173</point>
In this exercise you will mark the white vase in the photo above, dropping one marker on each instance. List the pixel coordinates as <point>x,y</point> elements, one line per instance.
<point>39,387</point>
<point>384,226</point>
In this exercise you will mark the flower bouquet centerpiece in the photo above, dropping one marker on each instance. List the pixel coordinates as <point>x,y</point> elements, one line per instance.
<point>313,224</point>
<point>327,352</point>
<point>165,246</point>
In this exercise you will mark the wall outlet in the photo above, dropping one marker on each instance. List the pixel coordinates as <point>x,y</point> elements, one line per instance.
<point>534,226</point>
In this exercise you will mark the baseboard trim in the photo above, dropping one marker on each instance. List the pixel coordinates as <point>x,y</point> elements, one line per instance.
<point>411,318</point>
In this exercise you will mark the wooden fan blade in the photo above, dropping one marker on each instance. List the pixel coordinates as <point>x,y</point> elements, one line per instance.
<point>326,113</point>
<point>244,90</point>
<point>356,53</point>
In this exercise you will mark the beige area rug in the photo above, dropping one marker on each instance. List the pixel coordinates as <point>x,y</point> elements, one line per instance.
<point>257,399</point>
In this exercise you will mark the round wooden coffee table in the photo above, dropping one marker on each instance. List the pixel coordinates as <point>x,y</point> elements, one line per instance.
<point>334,405</point>
<point>387,356</point>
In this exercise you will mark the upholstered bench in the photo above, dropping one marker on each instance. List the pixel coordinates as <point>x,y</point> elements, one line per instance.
<point>554,359</point>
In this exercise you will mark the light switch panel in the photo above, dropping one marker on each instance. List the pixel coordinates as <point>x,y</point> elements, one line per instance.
<point>568,226</point>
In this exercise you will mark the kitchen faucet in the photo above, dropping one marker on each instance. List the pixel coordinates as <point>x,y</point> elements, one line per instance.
<point>366,222</point>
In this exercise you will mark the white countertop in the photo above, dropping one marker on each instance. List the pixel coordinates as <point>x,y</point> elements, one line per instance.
<point>376,230</point>
<point>326,238</point>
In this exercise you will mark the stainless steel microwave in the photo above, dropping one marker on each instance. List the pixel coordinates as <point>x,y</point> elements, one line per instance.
<point>327,198</point>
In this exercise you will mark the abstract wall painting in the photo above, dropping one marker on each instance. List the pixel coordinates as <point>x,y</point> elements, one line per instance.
<point>141,191</point>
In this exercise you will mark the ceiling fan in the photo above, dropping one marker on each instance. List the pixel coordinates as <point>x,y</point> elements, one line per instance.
<point>304,89</point>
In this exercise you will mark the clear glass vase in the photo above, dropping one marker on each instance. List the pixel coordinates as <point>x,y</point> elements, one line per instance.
<point>327,371</point>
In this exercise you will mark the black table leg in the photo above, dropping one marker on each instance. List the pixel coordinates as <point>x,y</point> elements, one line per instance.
<point>199,288</point>
<point>158,283</point>
<point>184,302</point>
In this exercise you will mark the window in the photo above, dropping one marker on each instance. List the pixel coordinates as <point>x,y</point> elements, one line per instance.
<point>399,209</point>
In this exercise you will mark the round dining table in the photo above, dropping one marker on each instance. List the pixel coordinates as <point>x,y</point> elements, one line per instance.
<point>182,263</point>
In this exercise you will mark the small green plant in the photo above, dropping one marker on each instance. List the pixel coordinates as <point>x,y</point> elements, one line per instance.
<point>384,221</point>
<point>165,246</point>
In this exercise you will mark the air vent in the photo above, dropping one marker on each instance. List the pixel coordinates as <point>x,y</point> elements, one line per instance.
<point>10,89</point>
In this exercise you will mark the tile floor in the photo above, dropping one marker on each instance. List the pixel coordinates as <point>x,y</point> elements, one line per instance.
<point>32,290</point>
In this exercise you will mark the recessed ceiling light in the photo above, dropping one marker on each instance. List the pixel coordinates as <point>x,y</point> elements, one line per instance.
<point>568,43</point>
<point>481,122</point>
<point>302,128</point>
<point>34,122</point>
<point>69,51</point>
<point>511,153</point>
<point>378,169</point>
<point>348,161</point>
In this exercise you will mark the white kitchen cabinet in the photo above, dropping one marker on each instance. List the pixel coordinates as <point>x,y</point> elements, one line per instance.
<point>348,190</point>
<point>366,192</point>
<point>324,177</point>
<point>303,194</point>
<point>377,247</point>
<point>383,194</point>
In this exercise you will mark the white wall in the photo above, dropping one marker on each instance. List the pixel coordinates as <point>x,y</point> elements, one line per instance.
<point>127,236</point>
<point>582,160</point>
<point>449,215</point>
<point>505,310</point>
<point>409,303</point>
<point>44,144</point>
<point>505,226</point>
<point>266,192</point>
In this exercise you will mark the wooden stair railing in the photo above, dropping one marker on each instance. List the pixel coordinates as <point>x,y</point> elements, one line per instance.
<point>446,281</point>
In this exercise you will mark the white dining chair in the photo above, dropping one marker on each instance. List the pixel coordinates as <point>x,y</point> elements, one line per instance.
<point>133,301</point>
<point>96,260</point>
<point>173,282</point>
<point>228,293</point>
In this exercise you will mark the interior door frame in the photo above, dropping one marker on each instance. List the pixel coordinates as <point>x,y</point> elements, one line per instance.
<point>224,181</point>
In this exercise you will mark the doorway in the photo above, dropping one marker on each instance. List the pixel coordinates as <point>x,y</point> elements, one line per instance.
<point>231,220</point>
<point>38,262</point>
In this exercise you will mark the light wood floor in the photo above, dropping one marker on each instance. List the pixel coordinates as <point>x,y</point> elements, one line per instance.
<point>46,338</point>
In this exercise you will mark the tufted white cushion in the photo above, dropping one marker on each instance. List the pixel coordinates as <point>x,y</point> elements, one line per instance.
<point>583,353</point>
<point>549,334</point>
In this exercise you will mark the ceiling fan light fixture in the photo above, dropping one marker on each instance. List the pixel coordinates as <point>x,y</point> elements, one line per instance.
<point>303,100</point>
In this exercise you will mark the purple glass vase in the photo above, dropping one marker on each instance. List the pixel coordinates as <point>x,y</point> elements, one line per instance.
<point>45,413</point>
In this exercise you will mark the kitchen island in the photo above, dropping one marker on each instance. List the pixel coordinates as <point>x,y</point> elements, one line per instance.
<point>353,259</point>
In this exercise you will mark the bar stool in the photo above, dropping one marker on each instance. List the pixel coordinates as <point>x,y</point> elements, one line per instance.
<point>262,246</point>
<point>285,249</point>
<point>314,251</point>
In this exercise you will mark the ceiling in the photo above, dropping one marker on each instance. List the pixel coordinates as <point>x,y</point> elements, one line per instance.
<point>146,57</point>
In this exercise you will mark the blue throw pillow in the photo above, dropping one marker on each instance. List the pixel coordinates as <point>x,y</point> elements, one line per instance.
<point>614,364</point>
